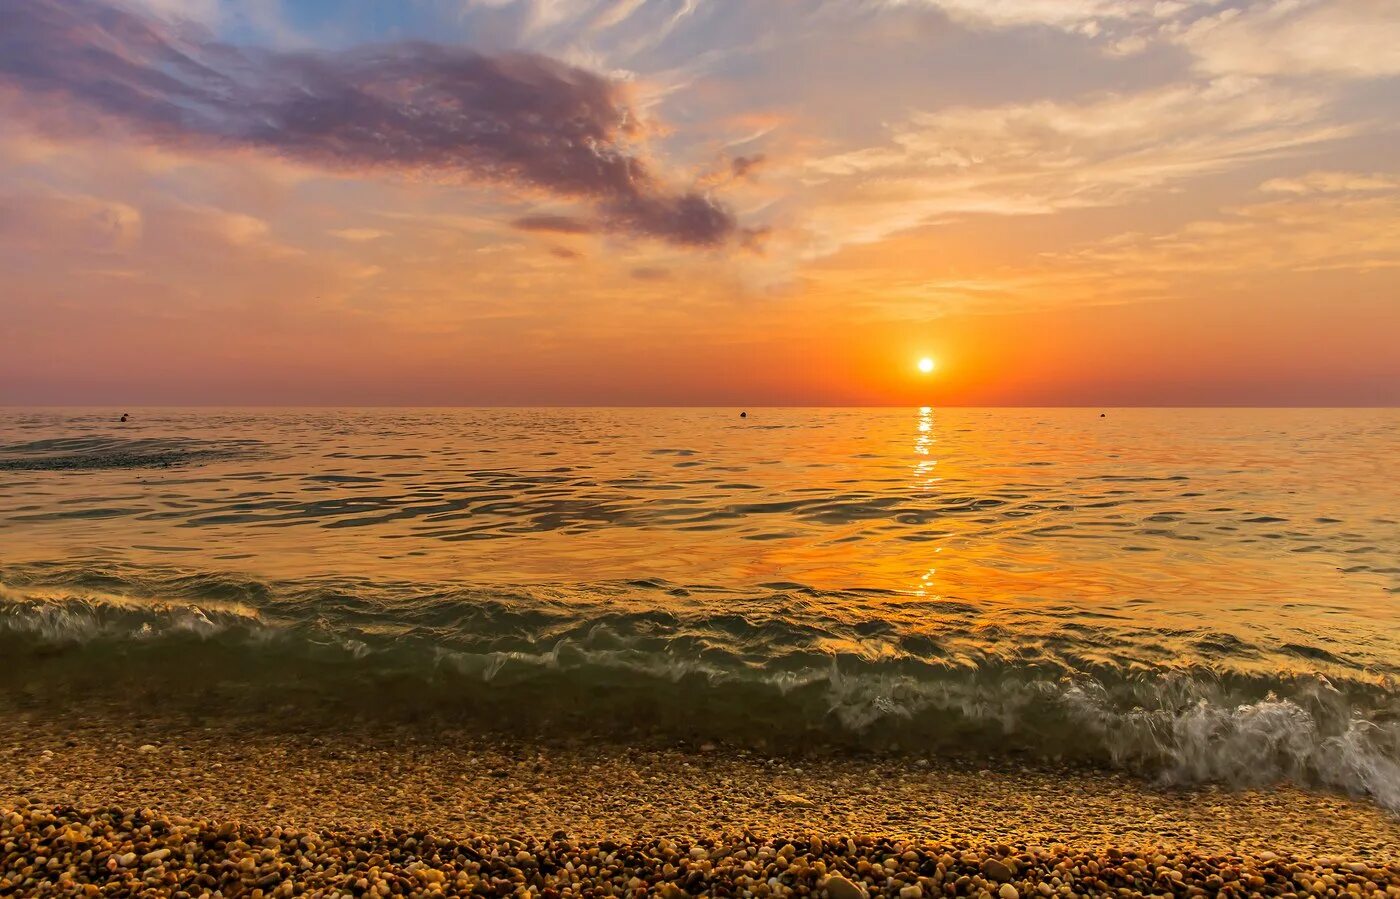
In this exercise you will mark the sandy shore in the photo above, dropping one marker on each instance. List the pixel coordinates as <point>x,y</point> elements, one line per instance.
<point>257,786</point>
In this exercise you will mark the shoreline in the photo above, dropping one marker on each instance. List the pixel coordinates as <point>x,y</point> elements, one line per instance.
<point>148,805</point>
<point>462,781</point>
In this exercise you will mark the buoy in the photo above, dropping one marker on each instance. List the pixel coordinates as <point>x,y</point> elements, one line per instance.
<point>743,415</point>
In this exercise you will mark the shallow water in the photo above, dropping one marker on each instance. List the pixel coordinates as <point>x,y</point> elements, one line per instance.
<point>1203,594</point>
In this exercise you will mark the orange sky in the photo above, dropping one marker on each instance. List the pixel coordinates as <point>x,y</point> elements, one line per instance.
<point>599,202</point>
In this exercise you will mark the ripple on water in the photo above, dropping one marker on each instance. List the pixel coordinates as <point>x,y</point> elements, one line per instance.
<point>883,566</point>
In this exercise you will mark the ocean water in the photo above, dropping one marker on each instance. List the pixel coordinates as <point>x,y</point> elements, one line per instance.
<point>1198,595</point>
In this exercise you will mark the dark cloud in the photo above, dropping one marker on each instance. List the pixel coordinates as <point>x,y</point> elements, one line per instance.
<point>565,253</point>
<point>731,169</point>
<point>416,108</point>
<point>754,239</point>
<point>561,224</point>
<point>647,273</point>
<point>744,166</point>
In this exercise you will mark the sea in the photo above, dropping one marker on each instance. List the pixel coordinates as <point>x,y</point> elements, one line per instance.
<point>1193,595</point>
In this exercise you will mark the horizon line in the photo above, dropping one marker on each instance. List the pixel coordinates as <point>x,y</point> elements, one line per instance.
<point>1358,406</point>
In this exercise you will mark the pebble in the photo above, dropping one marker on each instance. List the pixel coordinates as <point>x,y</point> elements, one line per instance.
<point>795,800</point>
<point>838,887</point>
<point>407,817</point>
<point>997,870</point>
<point>64,850</point>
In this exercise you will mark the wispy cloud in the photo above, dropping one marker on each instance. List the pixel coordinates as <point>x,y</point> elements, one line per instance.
<point>359,235</point>
<point>1344,224</point>
<point>1067,14</point>
<point>29,221</point>
<point>1324,221</point>
<point>1349,38</point>
<point>562,224</point>
<point>1036,158</point>
<point>1332,183</point>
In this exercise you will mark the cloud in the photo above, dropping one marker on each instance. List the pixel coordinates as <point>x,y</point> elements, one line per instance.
<point>1349,38</point>
<point>731,169</point>
<point>206,12</point>
<point>1350,236</point>
<point>744,166</point>
<point>238,228</point>
<point>1052,13</point>
<point>93,224</point>
<point>561,224</point>
<point>1323,221</point>
<point>359,235</point>
<point>1044,156</point>
<point>417,109</point>
<point>213,226</point>
<point>1331,183</point>
<point>1124,27</point>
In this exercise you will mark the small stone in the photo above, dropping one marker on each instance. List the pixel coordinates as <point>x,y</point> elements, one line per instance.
<point>913,891</point>
<point>838,887</point>
<point>796,800</point>
<point>146,748</point>
<point>1007,891</point>
<point>997,870</point>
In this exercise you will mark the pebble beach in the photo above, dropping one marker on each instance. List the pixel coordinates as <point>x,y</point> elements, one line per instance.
<point>113,851</point>
<point>100,807</point>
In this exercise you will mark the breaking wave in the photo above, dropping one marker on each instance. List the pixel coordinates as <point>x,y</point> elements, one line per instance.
<point>538,662</point>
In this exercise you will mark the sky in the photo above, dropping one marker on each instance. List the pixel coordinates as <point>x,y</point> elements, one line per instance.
<point>700,202</point>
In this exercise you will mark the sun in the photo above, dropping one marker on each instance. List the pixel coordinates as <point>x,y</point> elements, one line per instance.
<point>926,365</point>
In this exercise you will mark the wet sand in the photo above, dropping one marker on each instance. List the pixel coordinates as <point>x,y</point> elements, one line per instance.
<point>381,786</point>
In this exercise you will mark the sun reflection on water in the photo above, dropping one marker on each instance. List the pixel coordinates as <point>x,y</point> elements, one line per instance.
<point>924,480</point>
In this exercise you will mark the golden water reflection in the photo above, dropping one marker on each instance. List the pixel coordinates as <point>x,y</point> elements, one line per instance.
<point>1025,520</point>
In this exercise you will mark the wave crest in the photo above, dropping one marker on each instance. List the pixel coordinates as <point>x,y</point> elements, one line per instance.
<point>627,672</point>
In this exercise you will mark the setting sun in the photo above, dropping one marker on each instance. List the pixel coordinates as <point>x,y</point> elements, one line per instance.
<point>926,365</point>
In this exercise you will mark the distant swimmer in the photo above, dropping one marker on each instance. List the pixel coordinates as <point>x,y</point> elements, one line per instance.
<point>1103,415</point>
<point>743,415</point>
<point>125,416</point>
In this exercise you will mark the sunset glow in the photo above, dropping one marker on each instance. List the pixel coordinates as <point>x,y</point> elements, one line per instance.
<point>687,203</point>
<point>813,449</point>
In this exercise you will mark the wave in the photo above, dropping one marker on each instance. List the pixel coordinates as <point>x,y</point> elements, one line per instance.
<point>102,452</point>
<point>565,667</point>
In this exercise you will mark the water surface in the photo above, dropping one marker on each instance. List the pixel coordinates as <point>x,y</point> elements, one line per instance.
<point>1203,594</point>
